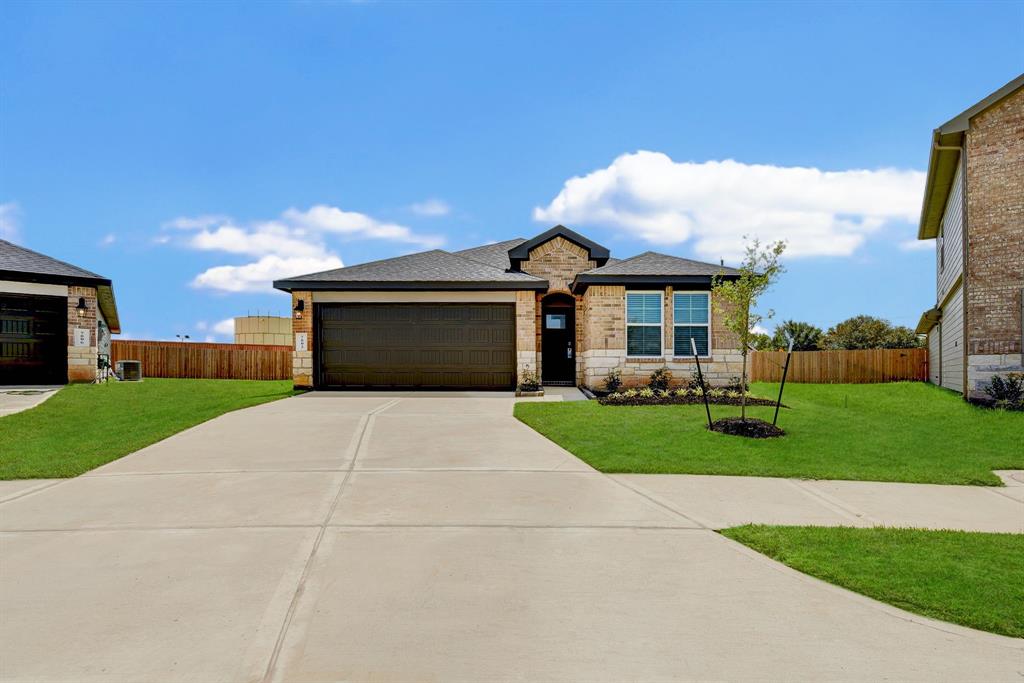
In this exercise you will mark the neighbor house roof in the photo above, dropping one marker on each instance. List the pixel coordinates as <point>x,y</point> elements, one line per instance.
<point>947,143</point>
<point>435,269</point>
<point>25,265</point>
<point>495,266</point>
<point>652,268</point>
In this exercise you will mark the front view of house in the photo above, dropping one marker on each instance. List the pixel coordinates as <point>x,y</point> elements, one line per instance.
<point>558,305</point>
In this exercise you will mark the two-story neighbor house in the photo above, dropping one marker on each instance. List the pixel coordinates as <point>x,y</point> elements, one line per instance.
<point>974,210</point>
<point>557,304</point>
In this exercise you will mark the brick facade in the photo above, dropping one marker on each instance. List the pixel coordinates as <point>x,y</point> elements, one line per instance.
<point>82,359</point>
<point>994,241</point>
<point>558,261</point>
<point>302,361</point>
<point>526,333</point>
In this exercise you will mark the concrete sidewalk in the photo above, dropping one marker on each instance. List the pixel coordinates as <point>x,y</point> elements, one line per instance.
<point>353,537</point>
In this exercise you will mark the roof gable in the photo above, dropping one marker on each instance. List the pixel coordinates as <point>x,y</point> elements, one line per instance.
<point>15,259</point>
<point>521,252</point>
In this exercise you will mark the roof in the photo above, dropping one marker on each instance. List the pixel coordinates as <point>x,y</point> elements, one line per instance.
<point>492,254</point>
<point>494,267</point>
<point>944,157</point>
<point>25,265</point>
<point>435,269</point>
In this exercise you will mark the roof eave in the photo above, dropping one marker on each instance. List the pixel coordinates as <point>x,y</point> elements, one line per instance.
<point>928,320</point>
<point>407,285</point>
<point>108,306</point>
<point>584,280</point>
<point>942,164</point>
<point>52,279</point>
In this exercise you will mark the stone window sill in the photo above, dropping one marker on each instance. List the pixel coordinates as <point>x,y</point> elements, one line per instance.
<point>689,359</point>
<point>645,359</point>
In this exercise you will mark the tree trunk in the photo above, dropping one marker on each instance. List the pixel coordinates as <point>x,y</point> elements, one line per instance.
<point>743,388</point>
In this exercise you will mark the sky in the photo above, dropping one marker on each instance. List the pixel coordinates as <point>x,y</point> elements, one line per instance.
<point>193,152</point>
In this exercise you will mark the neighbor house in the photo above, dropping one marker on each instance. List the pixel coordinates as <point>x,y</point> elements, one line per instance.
<point>974,210</point>
<point>558,305</point>
<point>55,319</point>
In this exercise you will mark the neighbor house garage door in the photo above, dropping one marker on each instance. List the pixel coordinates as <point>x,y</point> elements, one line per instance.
<point>464,346</point>
<point>33,339</point>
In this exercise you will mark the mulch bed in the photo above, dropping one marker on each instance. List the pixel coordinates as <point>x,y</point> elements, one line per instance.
<point>683,401</point>
<point>751,427</point>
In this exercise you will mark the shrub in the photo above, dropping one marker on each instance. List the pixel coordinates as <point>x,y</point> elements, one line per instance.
<point>736,384</point>
<point>646,392</point>
<point>695,385</point>
<point>528,380</point>
<point>1007,392</point>
<point>629,393</point>
<point>660,378</point>
<point>613,382</point>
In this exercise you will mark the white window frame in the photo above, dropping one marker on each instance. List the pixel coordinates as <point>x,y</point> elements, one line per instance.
<point>660,325</point>
<point>676,324</point>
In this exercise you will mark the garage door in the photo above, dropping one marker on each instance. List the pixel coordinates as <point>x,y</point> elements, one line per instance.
<point>451,346</point>
<point>33,339</point>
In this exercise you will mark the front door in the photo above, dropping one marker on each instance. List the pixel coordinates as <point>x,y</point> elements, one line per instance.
<point>558,342</point>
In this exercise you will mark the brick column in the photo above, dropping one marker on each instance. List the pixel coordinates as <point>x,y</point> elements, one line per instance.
<point>82,359</point>
<point>526,332</point>
<point>302,361</point>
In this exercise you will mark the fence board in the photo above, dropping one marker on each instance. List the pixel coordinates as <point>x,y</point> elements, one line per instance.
<point>861,366</point>
<point>205,361</point>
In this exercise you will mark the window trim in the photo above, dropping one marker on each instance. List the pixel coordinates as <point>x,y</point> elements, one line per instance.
<point>676,324</point>
<point>660,324</point>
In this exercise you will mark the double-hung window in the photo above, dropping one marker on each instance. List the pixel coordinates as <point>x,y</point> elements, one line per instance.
<point>643,324</point>
<point>691,319</point>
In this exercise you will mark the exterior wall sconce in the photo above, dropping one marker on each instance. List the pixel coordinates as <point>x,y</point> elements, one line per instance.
<point>81,307</point>
<point>300,306</point>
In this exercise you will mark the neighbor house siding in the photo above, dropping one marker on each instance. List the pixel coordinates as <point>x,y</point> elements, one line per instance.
<point>935,355</point>
<point>951,235</point>
<point>952,361</point>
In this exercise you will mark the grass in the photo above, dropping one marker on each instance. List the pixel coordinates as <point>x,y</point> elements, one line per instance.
<point>87,425</point>
<point>911,432</point>
<point>969,578</point>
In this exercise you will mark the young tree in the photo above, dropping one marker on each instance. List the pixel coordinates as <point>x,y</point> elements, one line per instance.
<point>735,298</point>
<point>806,337</point>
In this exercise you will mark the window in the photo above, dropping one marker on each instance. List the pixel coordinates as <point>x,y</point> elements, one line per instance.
<point>554,321</point>
<point>643,323</point>
<point>691,319</point>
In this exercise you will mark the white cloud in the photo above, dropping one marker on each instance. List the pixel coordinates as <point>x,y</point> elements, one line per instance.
<point>225,327</point>
<point>716,203</point>
<point>293,244</point>
<point>759,329</point>
<point>108,239</point>
<point>259,276</point>
<point>431,207</point>
<point>917,245</point>
<point>10,224</point>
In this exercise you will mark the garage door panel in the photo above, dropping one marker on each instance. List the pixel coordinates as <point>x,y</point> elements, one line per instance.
<point>417,345</point>
<point>33,339</point>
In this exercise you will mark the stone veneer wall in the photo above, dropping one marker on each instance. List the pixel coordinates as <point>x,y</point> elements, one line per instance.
<point>302,361</point>
<point>526,337</point>
<point>82,359</point>
<point>995,241</point>
<point>603,344</point>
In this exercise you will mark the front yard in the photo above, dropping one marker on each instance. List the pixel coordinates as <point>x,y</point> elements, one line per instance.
<point>968,578</point>
<point>87,425</point>
<point>909,432</point>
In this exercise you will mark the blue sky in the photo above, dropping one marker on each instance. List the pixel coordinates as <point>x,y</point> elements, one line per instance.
<point>191,152</point>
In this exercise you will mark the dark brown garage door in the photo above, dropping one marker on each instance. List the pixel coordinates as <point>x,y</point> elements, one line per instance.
<point>450,346</point>
<point>33,339</point>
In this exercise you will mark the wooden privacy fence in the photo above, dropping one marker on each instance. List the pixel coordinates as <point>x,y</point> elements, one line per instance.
<point>862,366</point>
<point>205,361</point>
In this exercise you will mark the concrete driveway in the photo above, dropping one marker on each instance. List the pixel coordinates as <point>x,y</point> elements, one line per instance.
<point>339,537</point>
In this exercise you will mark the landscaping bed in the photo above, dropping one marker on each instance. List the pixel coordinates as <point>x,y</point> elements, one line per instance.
<point>87,425</point>
<point>969,578</point>
<point>751,427</point>
<point>680,397</point>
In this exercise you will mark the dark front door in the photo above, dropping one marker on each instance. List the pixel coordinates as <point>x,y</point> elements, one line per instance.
<point>33,339</point>
<point>558,341</point>
<point>416,346</point>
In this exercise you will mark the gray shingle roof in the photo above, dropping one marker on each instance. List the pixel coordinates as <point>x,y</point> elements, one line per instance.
<point>655,264</point>
<point>492,254</point>
<point>21,260</point>
<point>436,266</point>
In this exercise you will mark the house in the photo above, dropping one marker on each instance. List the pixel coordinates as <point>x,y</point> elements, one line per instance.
<point>557,304</point>
<point>55,319</point>
<point>974,210</point>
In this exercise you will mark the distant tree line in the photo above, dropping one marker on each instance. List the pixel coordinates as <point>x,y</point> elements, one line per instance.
<point>858,332</point>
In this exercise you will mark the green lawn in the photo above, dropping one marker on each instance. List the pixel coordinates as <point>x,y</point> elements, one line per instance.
<point>87,425</point>
<point>911,432</point>
<point>968,578</point>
